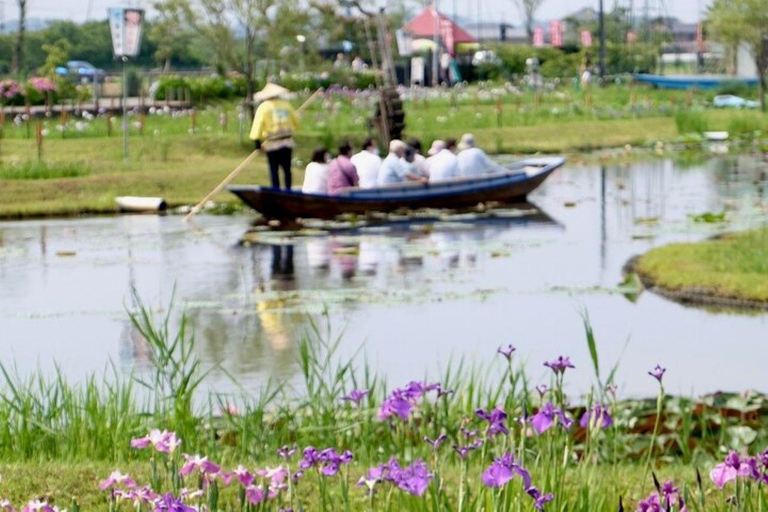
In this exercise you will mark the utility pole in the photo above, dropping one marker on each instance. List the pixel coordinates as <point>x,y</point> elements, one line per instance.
<point>601,21</point>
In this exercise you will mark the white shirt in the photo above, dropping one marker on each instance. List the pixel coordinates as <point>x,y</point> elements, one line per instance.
<point>420,165</point>
<point>367,165</point>
<point>443,166</point>
<point>315,179</point>
<point>393,170</point>
<point>474,162</point>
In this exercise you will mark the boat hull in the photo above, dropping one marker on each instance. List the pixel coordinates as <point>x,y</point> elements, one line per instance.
<point>512,186</point>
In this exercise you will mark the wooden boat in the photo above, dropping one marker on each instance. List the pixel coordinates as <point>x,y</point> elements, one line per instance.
<point>512,185</point>
<point>685,82</point>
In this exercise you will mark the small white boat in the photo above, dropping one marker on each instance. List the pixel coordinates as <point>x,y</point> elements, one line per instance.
<point>134,204</point>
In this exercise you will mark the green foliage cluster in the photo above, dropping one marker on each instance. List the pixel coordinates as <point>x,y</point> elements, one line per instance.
<point>89,41</point>
<point>32,170</point>
<point>568,61</point>
<point>690,121</point>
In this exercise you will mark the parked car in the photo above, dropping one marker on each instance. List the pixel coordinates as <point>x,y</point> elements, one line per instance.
<point>731,101</point>
<point>81,71</point>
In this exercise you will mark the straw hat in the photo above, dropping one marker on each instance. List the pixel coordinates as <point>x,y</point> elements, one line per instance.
<point>437,146</point>
<point>269,92</point>
<point>467,141</point>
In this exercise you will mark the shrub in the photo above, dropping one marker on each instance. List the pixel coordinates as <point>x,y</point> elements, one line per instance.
<point>746,126</point>
<point>688,121</point>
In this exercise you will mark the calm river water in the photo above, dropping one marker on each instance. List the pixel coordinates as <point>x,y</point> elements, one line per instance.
<point>414,296</point>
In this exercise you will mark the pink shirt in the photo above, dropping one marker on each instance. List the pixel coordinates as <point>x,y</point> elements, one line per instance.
<point>341,174</point>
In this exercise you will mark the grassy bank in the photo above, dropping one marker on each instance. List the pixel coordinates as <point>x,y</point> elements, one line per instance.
<point>477,439</point>
<point>732,268</point>
<point>182,156</point>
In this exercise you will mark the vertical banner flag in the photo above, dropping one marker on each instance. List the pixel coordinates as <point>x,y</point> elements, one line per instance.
<point>586,38</point>
<point>631,37</point>
<point>125,25</point>
<point>446,32</point>
<point>700,38</point>
<point>538,36</point>
<point>556,33</point>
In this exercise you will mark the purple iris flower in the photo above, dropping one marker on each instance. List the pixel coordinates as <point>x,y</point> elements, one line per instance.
<point>597,416</point>
<point>328,461</point>
<point>539,499</point>
<point>495,418</point>
<point>545,418</point>
<point>732,468</point>
<point>413,479</point>
<point>397,404</point>
<point>171,503</point>
<point>417,389</point>
<point>658,372</point>
<point>503,470</point>
<point>542,389</point>
<point>115,479</point>
<point>464,451</point>
<point>255,494</point>
<point>437,442</point>
<point>198,463</point>
<point>441,391</point>
<point>469,434</point>
<point>355,396</point>
<point>560,364</point>
<point>506,352</point>
<point>286,452</point>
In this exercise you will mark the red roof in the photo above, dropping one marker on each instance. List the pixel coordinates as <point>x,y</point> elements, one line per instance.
<point>425,25</point>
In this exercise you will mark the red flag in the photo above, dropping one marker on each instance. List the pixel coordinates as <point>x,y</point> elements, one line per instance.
<point>446,32</point>
<point>556,33</point>
<point>586,38</point>
<point>538,36</point>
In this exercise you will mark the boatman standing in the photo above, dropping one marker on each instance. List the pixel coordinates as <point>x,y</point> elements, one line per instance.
<point>272,130</point>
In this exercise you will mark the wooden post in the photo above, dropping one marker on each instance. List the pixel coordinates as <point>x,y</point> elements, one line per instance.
<point>223,120</point>
<point>193,120</point>
<point>39,134</point>
<point>28,114</point>
<point>632,100</point>
<point>476,103</point>
<point>2,127</point>
<point>499,110</point>
<point>689,98</point>
<point>142,122</point>
<point>63,117</point>
<point>109,124</point>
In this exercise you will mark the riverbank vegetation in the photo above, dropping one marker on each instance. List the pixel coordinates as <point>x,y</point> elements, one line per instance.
<point>729,269</point>
<point>342,438</point>
<point>182,155</point>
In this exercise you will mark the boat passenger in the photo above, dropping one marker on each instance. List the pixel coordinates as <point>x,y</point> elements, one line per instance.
<point>341,171</point>
<point>367,162</point>
<point>272,131</point>
<point>316,173</point>
<point>444,164</point>
<point>396,170</point>
<point>473,161</point>
<point>419,162</point>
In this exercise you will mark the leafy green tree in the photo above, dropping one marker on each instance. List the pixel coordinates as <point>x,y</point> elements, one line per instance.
<point>169,32</point>
<point>57,55</point>
<point>744,21</point>
<point>18,49</point>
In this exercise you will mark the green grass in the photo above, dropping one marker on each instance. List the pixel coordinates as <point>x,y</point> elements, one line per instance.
<point>30,170</point>
<point>83,169</point>
<point>733,266</point>
<point>58,440</point>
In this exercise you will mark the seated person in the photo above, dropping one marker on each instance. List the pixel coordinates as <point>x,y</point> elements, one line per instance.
<point>367,162</point>
<point>341,171</point>
<point>419,162</point>
<point>473,161</point>
<point>396,170</point>
<point>444,164</point>
<point>316,174</point>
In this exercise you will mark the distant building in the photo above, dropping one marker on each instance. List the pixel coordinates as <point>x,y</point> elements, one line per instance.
<point>494,32</point>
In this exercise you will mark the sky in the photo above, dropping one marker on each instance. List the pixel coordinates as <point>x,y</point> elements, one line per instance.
<point>490,10</point>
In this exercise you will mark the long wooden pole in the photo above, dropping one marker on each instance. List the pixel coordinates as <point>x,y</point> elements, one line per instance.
<point>221,185</point>
<point>309,100</point>
<point>242,166</point>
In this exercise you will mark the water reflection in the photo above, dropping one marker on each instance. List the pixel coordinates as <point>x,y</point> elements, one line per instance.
<point>431,289</point>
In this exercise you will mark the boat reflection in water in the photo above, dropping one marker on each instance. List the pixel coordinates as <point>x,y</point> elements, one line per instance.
<point>378,257</point>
